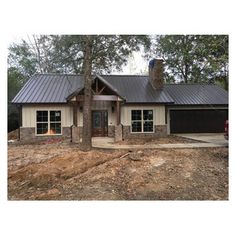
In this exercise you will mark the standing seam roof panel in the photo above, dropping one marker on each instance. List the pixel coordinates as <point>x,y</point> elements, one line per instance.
<point>58,95</point>
<point>19,94</point>
<point>55,88</point>
<point>138,89</point>
<point>23,92</point>
<point>47,87</point>
<point>35,90</point>
<point>26,93</point>
<point>43,90</point>
<point>53,95</point>
<point>195,94</point>
<point>54,85</point>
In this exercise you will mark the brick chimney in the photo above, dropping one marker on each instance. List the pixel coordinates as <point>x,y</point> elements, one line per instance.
<point>156,73</point>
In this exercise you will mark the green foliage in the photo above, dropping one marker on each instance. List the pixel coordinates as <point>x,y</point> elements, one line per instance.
<point>188,58</point>
<point>21,58</point>
<point>110,52</point>
<point>15,82</point>
<point>65,54</point>
<point>194,58</point>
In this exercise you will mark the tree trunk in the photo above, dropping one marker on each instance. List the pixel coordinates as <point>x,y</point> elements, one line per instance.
<point>225,82</point>
<point>86,137</point>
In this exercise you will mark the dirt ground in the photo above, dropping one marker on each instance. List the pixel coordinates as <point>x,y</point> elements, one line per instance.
<point>13,135</point>
<point>60,171</point>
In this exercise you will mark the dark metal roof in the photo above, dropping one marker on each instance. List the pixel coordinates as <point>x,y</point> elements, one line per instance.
<point>56,88</point>
<point>137,89</point>
<point>49,88</point>
<point>197,94</point>
<point>109,85</point>
<point>105,82</point>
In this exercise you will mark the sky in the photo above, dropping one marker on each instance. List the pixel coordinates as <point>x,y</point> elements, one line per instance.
<point>136,65</point>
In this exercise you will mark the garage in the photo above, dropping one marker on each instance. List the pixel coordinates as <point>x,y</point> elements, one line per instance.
<point>198,120</point>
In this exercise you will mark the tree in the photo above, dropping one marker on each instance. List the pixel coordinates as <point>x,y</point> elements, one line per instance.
<point>22,59</point>
<point>15,82</point>
<point>194,58</point>
<point>110,52</point>
<point>93,54</point>
<point>34,55</point>
<point>65,53</point>
<point>104,52</point>
<point>79,54</point>
<point>86,138</point>
<point>22,64</point>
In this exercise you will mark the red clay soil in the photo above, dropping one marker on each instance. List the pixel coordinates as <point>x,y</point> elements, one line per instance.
<point>63,172</point>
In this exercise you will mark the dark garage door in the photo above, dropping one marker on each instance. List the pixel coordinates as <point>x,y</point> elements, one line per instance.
<point>197,121</point>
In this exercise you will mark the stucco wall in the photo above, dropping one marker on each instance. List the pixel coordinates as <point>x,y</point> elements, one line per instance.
<point>29,114</point>
<point>158,113</point>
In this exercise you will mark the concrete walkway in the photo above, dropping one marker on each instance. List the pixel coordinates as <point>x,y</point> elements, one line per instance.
<point>108,143</point>
<point>217,138</point>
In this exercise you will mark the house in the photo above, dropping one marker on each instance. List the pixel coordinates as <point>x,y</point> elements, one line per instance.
<point>123,106</point>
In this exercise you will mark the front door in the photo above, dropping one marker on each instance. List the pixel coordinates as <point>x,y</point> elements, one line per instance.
<point>99,123</point>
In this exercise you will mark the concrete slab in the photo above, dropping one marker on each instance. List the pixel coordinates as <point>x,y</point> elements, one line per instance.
<point>215,138</point>
<point>108,143</point>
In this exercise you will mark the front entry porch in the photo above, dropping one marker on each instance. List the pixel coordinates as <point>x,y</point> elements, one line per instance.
<point>99,123</point>
<point>105,111</point>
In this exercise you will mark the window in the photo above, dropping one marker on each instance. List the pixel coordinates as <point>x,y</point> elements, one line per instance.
<point>147,120</point>
<point>55,122</point>
<point>136,120</point>
<point>42,122</point>
<point>142,121</point>
<point>48,125</point>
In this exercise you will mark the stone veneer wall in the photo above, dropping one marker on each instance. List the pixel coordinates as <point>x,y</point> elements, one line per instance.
<point>160,131</point>
<point>118,133</point>
<point>79,132</point>
<point>111,131</point>
<point>28,134</point>
<point>75,134</point>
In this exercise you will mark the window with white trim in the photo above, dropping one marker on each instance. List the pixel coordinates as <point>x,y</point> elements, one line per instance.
<point>141,121</point>
<point>48,122</point>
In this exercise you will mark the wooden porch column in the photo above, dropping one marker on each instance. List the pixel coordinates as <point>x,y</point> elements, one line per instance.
<point>118,112</point>
<point>75,106</point>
